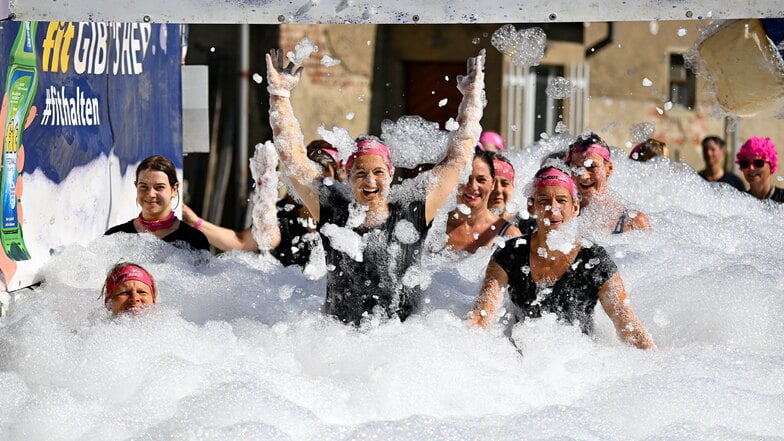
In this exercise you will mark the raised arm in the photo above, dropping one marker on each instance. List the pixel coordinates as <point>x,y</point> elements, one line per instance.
<point>224,239</point>
<point>263,169</point>
<point>301,171</point>
<point>630,330</point>
<point>462,141</point>
<point>491,297</point>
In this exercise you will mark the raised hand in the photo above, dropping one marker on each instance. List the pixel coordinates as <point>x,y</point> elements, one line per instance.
<point>474,79</point>
<point>263,165</point>
<point>281,77</point>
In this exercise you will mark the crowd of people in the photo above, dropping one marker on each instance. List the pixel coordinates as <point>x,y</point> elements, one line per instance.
<point>372,241</point>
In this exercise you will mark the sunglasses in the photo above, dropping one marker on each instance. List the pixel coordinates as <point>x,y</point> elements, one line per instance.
<point>757,163</point>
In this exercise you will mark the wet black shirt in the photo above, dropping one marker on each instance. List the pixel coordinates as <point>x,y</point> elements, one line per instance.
<point>183,234</point>
<point>376,283</point>
<point>572,297</point>
<point>296,243</point>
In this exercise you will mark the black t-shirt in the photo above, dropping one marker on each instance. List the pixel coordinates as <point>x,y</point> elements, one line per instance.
<point>778,195</point>
<point>572,297</point>
<point>358,285</point>
<point>296,242</point>
<point>184,233</point>
<point>729,178</point>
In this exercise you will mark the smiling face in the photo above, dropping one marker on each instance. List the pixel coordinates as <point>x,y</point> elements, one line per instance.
<point>501,194</point>
<point>154,194</point>
<point>590,172</point>
<point>475,193</point>
<point>553,206</point>
<point>370,180</point>
<point>756,176</point>
<point>131,296</point>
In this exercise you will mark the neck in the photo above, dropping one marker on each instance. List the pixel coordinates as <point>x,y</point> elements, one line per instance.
<point>714,171</point>
<point>155,217</point>
<point>760,190</point>
<point>476,215</point>
<point>376,214</point>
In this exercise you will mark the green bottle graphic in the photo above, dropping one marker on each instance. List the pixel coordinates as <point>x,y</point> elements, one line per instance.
<point>20,88</point>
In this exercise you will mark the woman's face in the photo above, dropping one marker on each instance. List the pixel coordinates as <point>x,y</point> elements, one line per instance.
<point>553,206</point>
<point>501,194</point>
<point>475,193</point>
<point>154,194</point>
<point>131,296</point>
<point>753,173</point>
<point>590,174</point>
<point>370,180</point>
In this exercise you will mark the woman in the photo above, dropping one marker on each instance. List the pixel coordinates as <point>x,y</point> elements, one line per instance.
<point>475,226</point>
<point>589,157</point>
<point>156,186</point>
<point>129,288</point>
<point>546,277</point>
<point>758,160</point>
<point>289,236</point>
<point>370,241</point>
<point>503,188</point>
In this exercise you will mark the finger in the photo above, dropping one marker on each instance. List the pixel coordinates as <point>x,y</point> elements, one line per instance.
<point>299,70</point>
<point>281,58</point>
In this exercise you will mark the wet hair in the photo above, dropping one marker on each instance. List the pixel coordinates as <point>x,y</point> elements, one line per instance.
<point>161,164</point>
<point>648,149</point>
<point>583,142</point>
<point>719,142</point>
<point>486,157</point>
<point>117,268</point>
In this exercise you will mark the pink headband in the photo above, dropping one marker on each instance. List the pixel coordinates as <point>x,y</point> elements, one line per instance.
<point>370,147</point>
<point>762,147</point>
<point>332,152</point>
<point>491,138</point>
<point>554,177</point>
<point>124,274</point>
<point>599,150</point>
<point>503,169</point>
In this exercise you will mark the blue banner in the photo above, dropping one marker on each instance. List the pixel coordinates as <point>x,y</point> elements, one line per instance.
<point>83,102</point>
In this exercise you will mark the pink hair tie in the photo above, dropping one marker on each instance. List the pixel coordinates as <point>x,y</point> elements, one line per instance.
<point>370,147</point>
<point>124,274</point>
<point>553,177</point>
<point>503,169</point>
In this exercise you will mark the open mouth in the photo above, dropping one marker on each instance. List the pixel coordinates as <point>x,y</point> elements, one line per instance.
<point>370,192</point>
<point>471,196</point>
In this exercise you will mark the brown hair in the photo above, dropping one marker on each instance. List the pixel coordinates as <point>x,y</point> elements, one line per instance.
<point>161,164</point>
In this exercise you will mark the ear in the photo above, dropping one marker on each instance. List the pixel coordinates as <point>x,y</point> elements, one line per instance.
<point>176,187</point>
<point>530,205</point>
<point>609,168</point>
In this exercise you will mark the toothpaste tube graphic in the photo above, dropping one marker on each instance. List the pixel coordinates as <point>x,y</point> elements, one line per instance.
<point>20,88</point>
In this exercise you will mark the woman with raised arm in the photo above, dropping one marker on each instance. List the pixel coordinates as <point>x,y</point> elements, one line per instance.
<point>370,241</point>
<point>545,276</point>
<point>284,228</point>
<point>589,157</point>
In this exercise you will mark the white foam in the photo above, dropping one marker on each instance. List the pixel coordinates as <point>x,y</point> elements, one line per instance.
<point>237,347</point>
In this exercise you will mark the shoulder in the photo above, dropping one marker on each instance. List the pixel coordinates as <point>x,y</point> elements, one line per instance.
<point>192,236</point>
<point>778,195</point>
<point>122,228</point>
